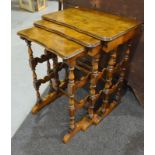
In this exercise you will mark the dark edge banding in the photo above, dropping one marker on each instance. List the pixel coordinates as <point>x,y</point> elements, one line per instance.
<point>83,43</point>
<point>51,50</point>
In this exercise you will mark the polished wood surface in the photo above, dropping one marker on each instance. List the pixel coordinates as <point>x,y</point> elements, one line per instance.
<point>97,24</point>
<point>68,33</point>
<point>110,45</point>
<point>53,42</point>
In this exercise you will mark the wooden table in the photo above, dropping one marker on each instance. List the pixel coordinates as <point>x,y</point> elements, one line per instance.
<point>74,34</point>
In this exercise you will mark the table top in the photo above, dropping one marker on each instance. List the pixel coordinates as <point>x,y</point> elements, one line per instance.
<point>52,42</point>
<point>103,26</point>
<point>68,33</point>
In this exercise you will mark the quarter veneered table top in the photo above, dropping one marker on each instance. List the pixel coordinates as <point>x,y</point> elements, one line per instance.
<point>52,42</point>
<point>100,25</point>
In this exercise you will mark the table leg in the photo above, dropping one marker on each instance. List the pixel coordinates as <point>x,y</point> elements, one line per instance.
<point>42,102</point>
<point>71,96</point>
<point>123,72</point>
<point>94,118</point>
<point>93,82</point>
<point>30,52</point>
<point>109,76</point>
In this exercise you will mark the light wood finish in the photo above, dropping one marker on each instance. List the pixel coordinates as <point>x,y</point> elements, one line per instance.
<point>52,42</point>
<point>68,33</point>
<point>84,39</point>
<point>71,93</point>
<point>93,82</point>
<point>100,25</point>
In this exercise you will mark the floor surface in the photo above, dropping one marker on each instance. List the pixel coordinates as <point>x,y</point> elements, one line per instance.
<point>121,133</point>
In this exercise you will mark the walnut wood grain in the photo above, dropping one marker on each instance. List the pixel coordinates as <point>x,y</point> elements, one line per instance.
<point>52,42</point>
<point>68,33</point>
<point>100,25</point>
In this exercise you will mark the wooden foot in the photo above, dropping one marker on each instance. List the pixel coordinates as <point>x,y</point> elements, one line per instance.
<point>48,99</point>
<point>102,115</point>
<point>70,134</point>
<point>86,122</point>
<point>80,126</point>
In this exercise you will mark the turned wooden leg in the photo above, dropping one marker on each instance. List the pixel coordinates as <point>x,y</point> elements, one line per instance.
<point>109,76</point>
<point>94,75</point>
<point>48,72</point>
<point>123,72</point>
<point>56,75</point>
<point>71,96</point>
<point>30,52</point>
<point>73,128</point>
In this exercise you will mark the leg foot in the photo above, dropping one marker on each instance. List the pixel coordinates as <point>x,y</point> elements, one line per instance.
<point>70,134</point>
<point>51,97</point>
<point>86,122</point>
<point>48,99</point>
